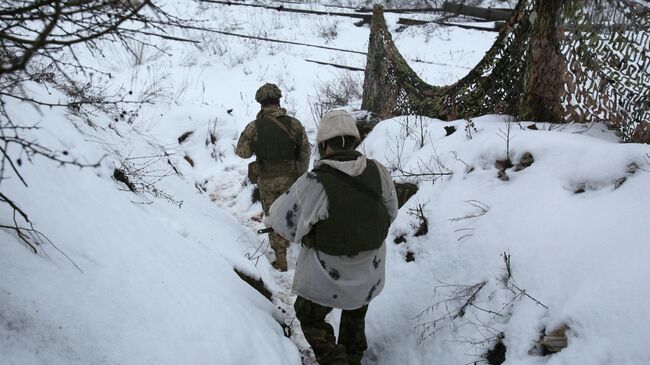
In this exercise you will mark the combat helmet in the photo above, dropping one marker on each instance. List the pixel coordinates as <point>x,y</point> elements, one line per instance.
<point>268,92</point>
<point>337,123</point>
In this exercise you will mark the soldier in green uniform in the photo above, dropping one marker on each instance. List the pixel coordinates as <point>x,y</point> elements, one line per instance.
<point>282,150</point>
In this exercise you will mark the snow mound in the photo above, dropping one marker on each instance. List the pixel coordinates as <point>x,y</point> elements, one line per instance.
<point>571,226</point>
<point>127,278</point>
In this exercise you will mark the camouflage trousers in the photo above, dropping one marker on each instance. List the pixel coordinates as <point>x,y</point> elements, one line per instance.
<point>320,334</point>
<point>270,189</point>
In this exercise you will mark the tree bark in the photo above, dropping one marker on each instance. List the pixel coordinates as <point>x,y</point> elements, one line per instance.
<point>545,66</point>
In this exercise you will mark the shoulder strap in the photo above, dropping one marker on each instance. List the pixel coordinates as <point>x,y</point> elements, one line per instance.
<point>350,180</point>
<point>284,128</point>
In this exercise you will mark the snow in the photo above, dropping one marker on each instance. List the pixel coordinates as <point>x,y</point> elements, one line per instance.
<point>135,279</point>
<point>582,255</point>
<point>155,282</point>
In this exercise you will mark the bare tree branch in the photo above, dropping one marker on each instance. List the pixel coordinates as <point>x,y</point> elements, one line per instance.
<point>39,43</point>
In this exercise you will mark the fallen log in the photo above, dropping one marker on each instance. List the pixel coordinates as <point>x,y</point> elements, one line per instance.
<point>488,14</point>
<point>403,11</point>
<point>408,21</point>
<point>483,13</point>
<point>323,5</point>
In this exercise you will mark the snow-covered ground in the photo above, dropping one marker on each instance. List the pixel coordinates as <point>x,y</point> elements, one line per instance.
<point>148,278</point>
<point>572,225</point>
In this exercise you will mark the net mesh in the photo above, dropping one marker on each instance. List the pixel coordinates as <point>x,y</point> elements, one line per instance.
<point>554,60</point>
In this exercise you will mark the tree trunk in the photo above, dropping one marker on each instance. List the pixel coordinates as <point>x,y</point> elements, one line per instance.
<point>543,87</point>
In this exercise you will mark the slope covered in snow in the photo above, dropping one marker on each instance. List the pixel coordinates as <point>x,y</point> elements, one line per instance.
<point>571,225</point>
<point>148,277</point>
<point>132,279</point>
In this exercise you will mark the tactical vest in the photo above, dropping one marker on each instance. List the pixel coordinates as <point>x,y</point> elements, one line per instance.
<point>273,144</point>
<point>358,219</point>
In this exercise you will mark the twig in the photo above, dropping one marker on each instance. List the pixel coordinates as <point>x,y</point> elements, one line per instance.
<point>29,235</point>
<point>482,207</point>
<point>468,302</point>
<point>455,154</point>
<point>455,307</point>
<point>509,283</point>
<point>467,235</point>
<point>350,68</point>
<point>523,292</point>
<point>254,255</point>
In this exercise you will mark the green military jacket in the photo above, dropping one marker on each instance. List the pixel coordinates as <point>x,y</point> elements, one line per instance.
<point>276,152</point>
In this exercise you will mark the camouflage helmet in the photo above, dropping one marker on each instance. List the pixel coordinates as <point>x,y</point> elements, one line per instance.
<point>336,123</point>
<point>268,92</point>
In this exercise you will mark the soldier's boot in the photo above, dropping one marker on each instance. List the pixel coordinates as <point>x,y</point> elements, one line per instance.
<point>319,333</point>
<point>336,357</point>
<point>279,245</point>
<point>280,262</point>
<point>352,334</point>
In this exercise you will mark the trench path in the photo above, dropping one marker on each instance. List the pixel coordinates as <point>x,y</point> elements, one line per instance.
<point>228,193</point>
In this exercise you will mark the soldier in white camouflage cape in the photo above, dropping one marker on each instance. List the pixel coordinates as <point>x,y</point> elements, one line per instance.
<point>340,212</point>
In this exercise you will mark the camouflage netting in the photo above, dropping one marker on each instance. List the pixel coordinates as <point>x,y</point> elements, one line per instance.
<point>555,60</point>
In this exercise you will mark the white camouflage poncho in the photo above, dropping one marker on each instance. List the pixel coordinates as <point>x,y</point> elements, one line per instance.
<point>333,281</point>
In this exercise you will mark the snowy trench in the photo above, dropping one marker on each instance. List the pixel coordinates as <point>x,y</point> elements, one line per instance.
<point>148,277</point>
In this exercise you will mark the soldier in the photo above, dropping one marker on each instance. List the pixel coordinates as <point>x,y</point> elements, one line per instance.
<point>341,212</point>
<point>282,151</point>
